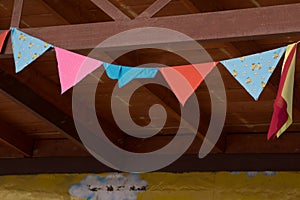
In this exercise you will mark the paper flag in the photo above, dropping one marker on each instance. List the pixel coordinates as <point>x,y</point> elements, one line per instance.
<point>254,71</point>
<point>283,105</point>
<point>73,67</point>
<point>2,39</point>
<point>26,48</point>
<point>184,80</point>
<point>126,74</point>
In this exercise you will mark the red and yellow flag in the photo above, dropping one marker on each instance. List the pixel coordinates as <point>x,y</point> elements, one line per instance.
<point>283,105</point>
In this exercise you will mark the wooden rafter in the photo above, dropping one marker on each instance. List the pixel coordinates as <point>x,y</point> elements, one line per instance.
<point>111,10</point>
<point>16,139</point>
<point>17,12</point>
<point>83,36</point>
<point>219,147</point>
<point>153,9</point>
<point>25,96</point>
<point>43,101</point>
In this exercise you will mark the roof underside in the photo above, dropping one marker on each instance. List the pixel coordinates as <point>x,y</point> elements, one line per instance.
<point>37,131</point>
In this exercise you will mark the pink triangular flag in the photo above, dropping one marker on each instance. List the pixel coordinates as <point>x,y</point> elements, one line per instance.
<point>184,80</point>
<point>73,67</point>
<point>2,39</point>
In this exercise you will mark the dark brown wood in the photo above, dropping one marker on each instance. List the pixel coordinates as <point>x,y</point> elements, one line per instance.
<point>9,152</point>
<point>15,139</point>
<point>83,36</point>
<point>75,12</point>
<point>170,105</point>
<point>258,143</point>
<point>17,12</point>
<point>29,99</point>
<point>187,163</point>
<point>153,9</point>
<point>57,148</point>
<point>111,10</point>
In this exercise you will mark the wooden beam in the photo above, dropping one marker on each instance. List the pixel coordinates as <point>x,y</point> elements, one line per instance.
<point>258,143</point>
<point>17,13</point>
<point>126,9</point>
<point>23,95</point>
<point>111,10</point>
<point>76,13</point>
<point>187,163</point>
<point>43,97</point>
<point>170,106</point>
<point>153,9</point>
<point>189,5</point>
<point>259,25</point>
<point>15,139</point>
<point>203,122</point>
<point>58,148</point>
<point>52,10</point>
<point>8,152</point>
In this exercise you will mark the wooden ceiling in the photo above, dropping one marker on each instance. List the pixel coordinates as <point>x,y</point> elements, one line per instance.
<point>37,131</point>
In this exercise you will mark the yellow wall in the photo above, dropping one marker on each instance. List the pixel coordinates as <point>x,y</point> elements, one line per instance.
<point>164,186</point>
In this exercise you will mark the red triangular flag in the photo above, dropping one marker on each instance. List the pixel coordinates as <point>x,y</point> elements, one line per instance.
<point>184,80</point>
<point>73,67</point>
<point>2,39</point>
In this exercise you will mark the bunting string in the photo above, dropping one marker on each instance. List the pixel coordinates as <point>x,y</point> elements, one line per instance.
<point>251,71</point>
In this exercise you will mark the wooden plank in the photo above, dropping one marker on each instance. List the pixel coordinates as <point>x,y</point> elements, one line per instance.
<point>43,98</point>
<point>172,107</point>
<point>168,104</point>
<point>86,36</point>
<point>258,143</point>
<point>57,148</point>
<point>16,139</point>
<point>187,163</point>
<point>77,12</point>
<point>111,10</point>
<point>153,9</point>
<point>17,12</point>
<point>30,100</point>
<point>8,152</point>
<point>159,141</point>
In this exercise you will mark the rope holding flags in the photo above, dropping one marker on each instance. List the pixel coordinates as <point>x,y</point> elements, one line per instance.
<point>251,71</point>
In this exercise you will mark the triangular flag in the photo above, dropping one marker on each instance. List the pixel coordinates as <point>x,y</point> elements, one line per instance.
<point>254,71</point>
<point>283,105</point>
<point>126,74</point>
<point>184,80</point>
<point>26,48</point>
<point>73,67</point>
<point>2,39</point>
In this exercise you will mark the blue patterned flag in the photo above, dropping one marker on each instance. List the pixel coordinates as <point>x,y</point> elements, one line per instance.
<point>126,74</point>
<point>254,71</point>
<point>26,48</point>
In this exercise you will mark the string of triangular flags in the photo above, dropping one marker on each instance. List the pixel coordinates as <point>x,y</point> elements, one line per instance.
<point>251,71</point>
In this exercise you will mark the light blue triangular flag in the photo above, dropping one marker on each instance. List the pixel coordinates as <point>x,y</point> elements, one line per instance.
<point>26,48</point>
<point>126,74</point>
<point>254,71</point>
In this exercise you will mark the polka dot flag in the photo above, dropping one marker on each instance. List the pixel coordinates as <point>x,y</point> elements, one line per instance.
<point>254,71</point>
<point>26,48</point>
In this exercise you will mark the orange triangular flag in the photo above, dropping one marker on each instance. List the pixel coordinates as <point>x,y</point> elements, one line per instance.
<point>184,80</point>
<point>2,39</point>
